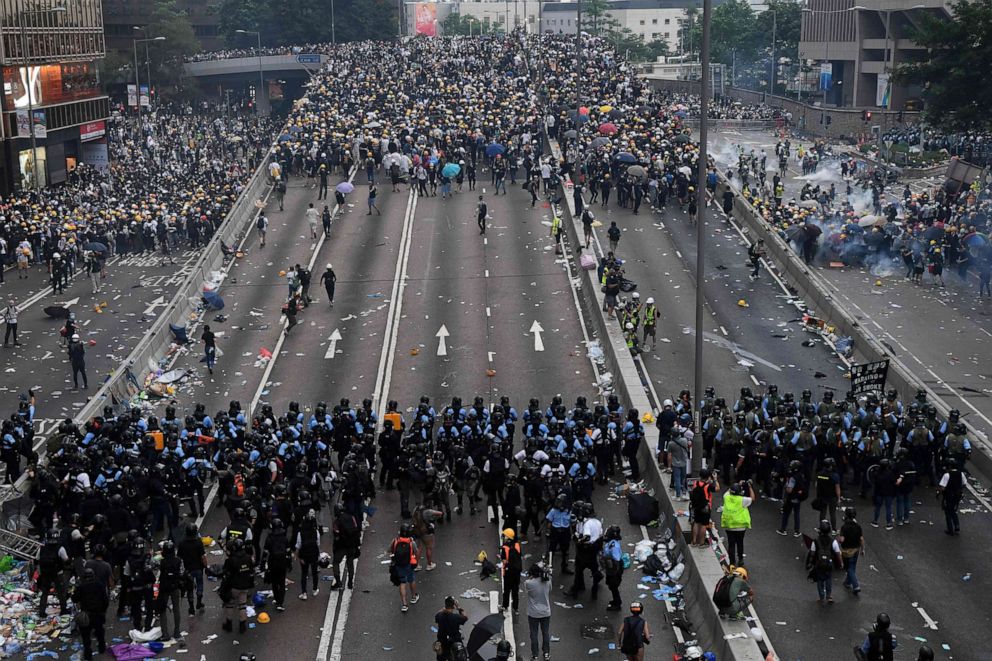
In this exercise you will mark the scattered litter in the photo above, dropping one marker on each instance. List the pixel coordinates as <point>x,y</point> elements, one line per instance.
<point>475,593</point>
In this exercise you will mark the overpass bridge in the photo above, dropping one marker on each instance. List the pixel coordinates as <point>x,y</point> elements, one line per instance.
<point>275,71</point>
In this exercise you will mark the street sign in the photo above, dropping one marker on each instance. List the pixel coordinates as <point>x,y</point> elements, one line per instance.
<point>308,58</point>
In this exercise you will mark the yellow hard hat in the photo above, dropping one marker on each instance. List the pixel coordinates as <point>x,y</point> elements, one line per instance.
<point>263,618</point>
<point>509,534</point>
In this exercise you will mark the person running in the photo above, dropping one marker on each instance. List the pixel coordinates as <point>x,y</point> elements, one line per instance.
<point>373,193</point>
<point>329,279</point>
<point>209,348</point>
<point>634,634</point>
<point>313,219</point>
<point>261,226</point>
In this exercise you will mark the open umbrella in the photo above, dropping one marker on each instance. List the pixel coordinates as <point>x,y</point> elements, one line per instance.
<point>813,230</point>
<point>626,157</point>
<point>871,221</point>
<point>795,233</point>
<point>607,128</point>
<point>615,114</point>
<point>57,312</point>
<point>681,139</point>
<point>571,134</point>
<point>599,142</point>
<point>486,628</point>
<point>637,171</point>
<point>95,246</point>
<point>975,240</point>
<point>645,110</point>
<point>494,149</point>
<point>285,137</point>
<point>686,170</point>
<point>808,204</point>
<point>345,187</point>
<point>373,125</point>
<point>295,129</point>
<point>934,233</point>
<point>451,169</point>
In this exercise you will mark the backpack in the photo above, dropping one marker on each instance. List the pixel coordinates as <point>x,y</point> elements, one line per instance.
<point>697,497</point>
<point>260,224</point>
<point>824,561</point>
<point>614,233</point>
<point>239,486</point>
<point>48,559</point>
<point>801,491</point>
<point>402,553</point>
<point>721,593</point>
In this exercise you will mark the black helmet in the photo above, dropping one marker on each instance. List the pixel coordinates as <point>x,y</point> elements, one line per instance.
<point>850,513</point>
<point>925,653</point>
<point>277,525</point>
<point>636,608</point>
<point>191,530</point>
<point>613,532</point>
<point>235,545</point>
<point>882,622</point>
<point>406,530</point>
<point>168,547</point>
<point>824,527</point>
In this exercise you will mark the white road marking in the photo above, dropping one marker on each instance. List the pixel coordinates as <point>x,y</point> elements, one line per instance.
<point>755,380</point>
<point>442,347</point>
<point>489,312</point>
<point>724,331</point>
<point>332,344</point>
<point>930,622</point>
<point>492,356</point>
<point>157,303</point>
<point>536,329</point>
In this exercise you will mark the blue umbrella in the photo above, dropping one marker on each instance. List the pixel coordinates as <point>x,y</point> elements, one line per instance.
<point>451,169</point>
<point>345,187</point>
<point>975,240</point>
<point>854,228</point>
<point>494,149</point>
<point>295,129</point>
<point>285,137</point>
<point>626,157</point>
<point>213,300</point>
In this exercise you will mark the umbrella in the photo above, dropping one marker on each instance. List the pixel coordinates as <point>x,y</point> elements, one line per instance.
<point>345,187</point>
<point>686,170</point>
<point>373,125</point>
<point>854,228</point>
<point>934,234</point>
<point>605,108</point>
<point>57,312</point>
<point>295,129</point>
<point>795,233</point>
<point>95,246</point>
<point>626,157</point>
<point>871,221</point>
<point>571,134</point>
<point>580,118</point>
<point>645,110</point>
<point>636,171</point>
<point>494,148</point>
<point>681,139</point>
<point>808,204</point>
<point>615,114</point>
<point>813,230</point>
<point>607,128</point>
<point>975,240</point>
<point>451,169</point>
<point>599,142</point>
<point>213,300</point>
<point>486,628</point>
<point>285,137</point>
<point>681,114</point>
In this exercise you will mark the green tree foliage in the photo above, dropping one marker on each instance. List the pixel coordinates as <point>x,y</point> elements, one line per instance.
<point>960,54</point>
<point>294,22</point>
<point>165,58</point>
<point>457,24</point>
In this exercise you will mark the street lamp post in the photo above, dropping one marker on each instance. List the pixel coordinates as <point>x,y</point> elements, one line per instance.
<point>705,90</point>
<point>333,40</point>
<point>261,82</point>
<point>27,75</point>
<point>137,86</point>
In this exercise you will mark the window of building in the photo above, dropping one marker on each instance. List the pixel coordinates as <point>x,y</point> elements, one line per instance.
<point>654,21</point>
<point>642,21</point>
<point>667,35</point>
<point>668,21</point>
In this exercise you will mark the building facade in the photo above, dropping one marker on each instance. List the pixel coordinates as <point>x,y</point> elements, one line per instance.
<point>120,17</point>
<point>48,55</point>
<point>862,43</point>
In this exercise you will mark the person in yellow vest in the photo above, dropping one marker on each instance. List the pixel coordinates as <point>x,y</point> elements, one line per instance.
<point>556,232</point>
<point>650,323</point>
<point>736,519</point>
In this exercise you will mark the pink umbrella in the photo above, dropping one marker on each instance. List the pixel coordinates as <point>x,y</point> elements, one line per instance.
<point>607,128</point>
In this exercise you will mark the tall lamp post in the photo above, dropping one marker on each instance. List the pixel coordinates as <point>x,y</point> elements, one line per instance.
<point>27,74</point>
<point>148,64</point>
<point>137,87</point>
<point>826,49</point>
<point>258,36</point>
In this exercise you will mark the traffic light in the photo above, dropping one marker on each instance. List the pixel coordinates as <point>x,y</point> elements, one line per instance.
<point>866,116</point>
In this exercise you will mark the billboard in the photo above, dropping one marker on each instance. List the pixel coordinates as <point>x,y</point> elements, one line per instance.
<point>882,91</point>
<point>132,96</point>
<point>826,75</point>
<point>425,19</point>
<point>23,124</point>
<point>92,130</point>
<point>143,92</point>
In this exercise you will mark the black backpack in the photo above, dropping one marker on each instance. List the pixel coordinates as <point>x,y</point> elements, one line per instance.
<point>721,593</point>
<point>401,553</point>
<point>48,559</point>
<point>824,561</point>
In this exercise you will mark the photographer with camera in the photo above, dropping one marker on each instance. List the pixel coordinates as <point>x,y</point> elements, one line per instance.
<point>736,519</point>
<point>449,621</point>
<point>588,539</point>
<point>537,589</point>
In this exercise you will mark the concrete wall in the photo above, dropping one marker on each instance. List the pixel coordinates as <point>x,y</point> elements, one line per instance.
<point>248,65</point>
<point>844,123</point>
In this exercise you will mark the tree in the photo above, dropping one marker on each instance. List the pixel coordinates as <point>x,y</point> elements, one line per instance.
<point>657,48</point>
<point>165,58</point>
<point>294,22</point>
<point>784,18</point>
<point>959,50</point>
<point>596,17</point>
<point>458,24</point>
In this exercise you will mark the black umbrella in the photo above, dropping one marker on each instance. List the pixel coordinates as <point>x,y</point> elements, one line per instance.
<point>570,134</point>
<point>681,139</point>
<point>645,110</point>
<point>795,233</point>
<point>95,246</point>
<point>813,230</point>
<point>487,627</point>
<point>57,312</point>
<point>934,234</point>
<point>615,114</point>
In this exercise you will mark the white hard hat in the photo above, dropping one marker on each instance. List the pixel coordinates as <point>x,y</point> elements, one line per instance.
<point>667,402</point>
<point>56,256</point>
<point>650,301</point>
<point>630,326</point>
<point>75,337</point>
<point>329,267</point>
<point>636,296</point>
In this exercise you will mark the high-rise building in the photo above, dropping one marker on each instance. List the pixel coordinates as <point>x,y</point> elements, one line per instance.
<point>48,55</point>
<point>120,17</point>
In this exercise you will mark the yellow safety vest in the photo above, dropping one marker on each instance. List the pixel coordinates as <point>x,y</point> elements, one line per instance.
<point>735,515</point>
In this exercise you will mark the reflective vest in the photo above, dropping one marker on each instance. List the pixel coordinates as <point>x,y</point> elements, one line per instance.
<point>555,225</point>
<point>650,315</point>
<point>735,515</point>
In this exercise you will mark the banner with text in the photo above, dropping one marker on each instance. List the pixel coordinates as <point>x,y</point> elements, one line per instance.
<point>132,96</point>
<point>869,378</point>
<point>882,90</point>
<point>143,93</point>
<point>826,76</point>
<point>425,19</point>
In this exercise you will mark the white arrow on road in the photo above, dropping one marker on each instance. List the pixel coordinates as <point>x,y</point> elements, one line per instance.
<point>71,301</point>
<point>536,329</point>
<point>157,303</point>
<point>442,347</point>
<point>332,343</point>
